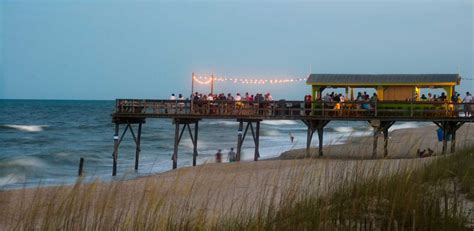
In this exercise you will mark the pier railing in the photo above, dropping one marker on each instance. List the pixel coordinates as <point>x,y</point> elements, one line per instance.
<point>285,109</point>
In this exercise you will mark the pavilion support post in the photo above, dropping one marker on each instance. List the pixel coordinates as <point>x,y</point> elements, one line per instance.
<point>195,153</point>
<point>257,141</point>
<point>176,144</point>
<point>138,148</point>
<point>116,147</point>
<point>239,139</point>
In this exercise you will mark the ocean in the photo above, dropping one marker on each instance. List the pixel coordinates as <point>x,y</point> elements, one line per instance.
<point>42,141</point>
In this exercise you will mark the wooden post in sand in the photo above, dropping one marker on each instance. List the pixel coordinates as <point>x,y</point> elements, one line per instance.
<point>81,165</point>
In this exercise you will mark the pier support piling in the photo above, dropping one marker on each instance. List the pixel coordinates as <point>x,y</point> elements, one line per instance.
<point>255,135</point>
<point>380,127</point>
<point>176,144</point>
<point>195,152</point>
<point>313,126</point>
<point>116,146</point>
<point>138,148</point>
<point>449,128</point>
<point>178,134</point>
<point>118,140</point>
<point>239,139</point>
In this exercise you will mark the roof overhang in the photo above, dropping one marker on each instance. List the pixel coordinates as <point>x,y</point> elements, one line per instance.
<point>374,80</point>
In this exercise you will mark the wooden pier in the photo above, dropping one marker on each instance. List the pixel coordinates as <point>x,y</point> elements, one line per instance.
<point>186,114</point>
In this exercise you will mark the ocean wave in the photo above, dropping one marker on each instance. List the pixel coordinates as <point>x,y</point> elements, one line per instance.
<point>25,128</point>
<point>24,162</point>
<point>223,122</point>
<point>11,179</point>
<point>270,133</point>
<point>343,129</point>
<point>404,126</point>
<point>279,122</point>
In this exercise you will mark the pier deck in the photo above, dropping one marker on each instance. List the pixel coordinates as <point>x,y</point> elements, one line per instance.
<point>315,115</point>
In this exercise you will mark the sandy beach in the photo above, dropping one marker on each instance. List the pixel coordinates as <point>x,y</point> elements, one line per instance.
<point>216,189</point>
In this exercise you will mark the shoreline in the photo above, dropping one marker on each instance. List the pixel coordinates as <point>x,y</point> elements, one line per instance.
<point>403,144</point>
<point>220,186</point>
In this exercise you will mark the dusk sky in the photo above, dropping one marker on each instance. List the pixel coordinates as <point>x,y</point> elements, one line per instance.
<point>67,49</point>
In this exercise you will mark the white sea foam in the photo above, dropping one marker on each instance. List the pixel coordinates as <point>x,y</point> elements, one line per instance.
<point>404,126</point>
<point>223,122</point>
<point>26,128</point>
<point>11,179</point>
<point>344,129</point>
<point>279,122</point>
<point>24,162</point>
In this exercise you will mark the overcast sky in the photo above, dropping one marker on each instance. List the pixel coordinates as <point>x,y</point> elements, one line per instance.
<point>148,49</point>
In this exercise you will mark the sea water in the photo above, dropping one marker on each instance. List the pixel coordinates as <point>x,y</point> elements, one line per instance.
<point>42,141</point>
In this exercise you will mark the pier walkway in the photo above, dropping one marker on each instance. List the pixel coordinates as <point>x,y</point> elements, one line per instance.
<point>315,115</point>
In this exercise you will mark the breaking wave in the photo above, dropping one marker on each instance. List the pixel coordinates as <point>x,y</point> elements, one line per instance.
<point>279,122</point>
<point>24,128</point>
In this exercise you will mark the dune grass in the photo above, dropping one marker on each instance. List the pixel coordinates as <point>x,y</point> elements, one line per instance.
<point>311,194</point>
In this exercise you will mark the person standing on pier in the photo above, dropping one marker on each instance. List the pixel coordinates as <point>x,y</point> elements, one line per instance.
<point>219,156</point>
<point>467,107</point>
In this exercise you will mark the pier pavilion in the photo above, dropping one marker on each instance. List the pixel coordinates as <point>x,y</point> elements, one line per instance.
<point>399,101</point>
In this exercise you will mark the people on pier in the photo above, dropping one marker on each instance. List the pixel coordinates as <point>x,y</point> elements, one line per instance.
<point>423,97</point>
<point>172,97</point>
<point>181,102</point>
<point>467,106</point>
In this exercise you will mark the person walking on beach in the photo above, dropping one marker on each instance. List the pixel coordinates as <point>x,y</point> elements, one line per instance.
<point>219,156</point>
<point>231,156</point>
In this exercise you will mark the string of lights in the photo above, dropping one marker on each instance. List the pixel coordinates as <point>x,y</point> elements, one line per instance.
<point>245,80</point>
